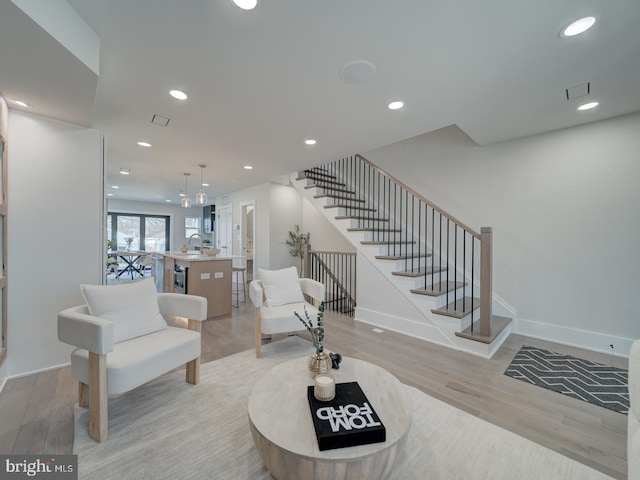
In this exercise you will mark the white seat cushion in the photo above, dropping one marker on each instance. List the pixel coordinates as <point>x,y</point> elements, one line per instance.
<point>132,307</point>
<point>281,286</point>
<point>140,360</point>
<point>282,319</point>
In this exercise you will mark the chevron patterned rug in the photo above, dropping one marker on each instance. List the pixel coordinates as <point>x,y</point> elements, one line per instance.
<point>588,381</point>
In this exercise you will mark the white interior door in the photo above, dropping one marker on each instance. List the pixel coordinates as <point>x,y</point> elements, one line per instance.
<point>224,234</point>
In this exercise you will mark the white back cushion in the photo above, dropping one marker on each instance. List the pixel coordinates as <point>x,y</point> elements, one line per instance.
<point>281,286</point>
<point>132,307</point>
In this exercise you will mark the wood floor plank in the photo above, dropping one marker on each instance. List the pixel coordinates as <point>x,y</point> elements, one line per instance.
<point>589,434</point>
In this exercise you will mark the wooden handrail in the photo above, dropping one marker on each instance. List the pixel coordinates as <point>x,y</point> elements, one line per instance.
<point>420,197</point>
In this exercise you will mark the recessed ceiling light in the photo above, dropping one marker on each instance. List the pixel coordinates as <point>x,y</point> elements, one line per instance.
<point>577,27</point>
<point>248,167</point>
<point>167,200</point>
<point>246,4</point>
<point>109,194</point>
<point>396,105</point>
<point>144,144</point>
<point>20,103</point>
<point>205,184</point>
<point>179,94</point>
<point>115,186</point>
<point>588,106</point>
<point>310,141</point>
<point>181,194</point>
<point>125,171</point>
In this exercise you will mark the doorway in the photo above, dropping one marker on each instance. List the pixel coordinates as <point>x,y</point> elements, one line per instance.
<point>248,237</point>
<point>223,235</point>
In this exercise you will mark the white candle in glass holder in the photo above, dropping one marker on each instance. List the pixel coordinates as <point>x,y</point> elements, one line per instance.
<point>324,387</point>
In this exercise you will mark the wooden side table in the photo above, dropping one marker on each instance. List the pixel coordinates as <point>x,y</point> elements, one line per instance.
<point>282,427</point>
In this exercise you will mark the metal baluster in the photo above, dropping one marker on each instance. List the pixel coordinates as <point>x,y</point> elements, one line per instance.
<point>447,294</point>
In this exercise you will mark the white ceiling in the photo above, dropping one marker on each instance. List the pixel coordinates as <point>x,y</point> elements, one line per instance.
<point>261,82</point>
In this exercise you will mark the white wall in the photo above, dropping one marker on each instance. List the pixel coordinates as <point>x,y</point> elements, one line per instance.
<point>55,233</point>
<point>277,209</point>
<point>324,236</point>
<point>286,212</point>
<point>176,213</point>
<point>564,208</point>
<point>258,194</point>
<point>4,130</point>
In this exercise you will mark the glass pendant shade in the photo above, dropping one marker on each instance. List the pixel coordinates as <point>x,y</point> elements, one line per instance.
<point>186,201</point>
<point>201,197</point>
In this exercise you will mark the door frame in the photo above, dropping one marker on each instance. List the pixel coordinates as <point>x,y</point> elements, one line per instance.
<point>243,213</point>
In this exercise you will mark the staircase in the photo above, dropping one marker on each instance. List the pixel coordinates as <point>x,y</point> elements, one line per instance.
<point>337,271</point>
<point>440,265</point>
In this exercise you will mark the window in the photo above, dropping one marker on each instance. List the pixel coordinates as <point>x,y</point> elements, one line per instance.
<point>133,232</point>
<point>191,226</point>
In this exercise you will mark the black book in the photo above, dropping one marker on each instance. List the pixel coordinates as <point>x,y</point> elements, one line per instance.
<point>347,420</point>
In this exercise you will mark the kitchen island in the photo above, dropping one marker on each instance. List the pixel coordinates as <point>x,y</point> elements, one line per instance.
<point>199,274</point>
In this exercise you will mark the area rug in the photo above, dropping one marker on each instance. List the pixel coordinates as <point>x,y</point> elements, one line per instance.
<point>582,379</point>
<point>168,429</point>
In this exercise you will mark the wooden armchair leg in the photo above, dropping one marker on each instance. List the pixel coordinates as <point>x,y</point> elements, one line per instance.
<point>193,367</point>
<point>83,395</point>
<point>257,333</point>
<point>193,371</point>
<point>98,413</point>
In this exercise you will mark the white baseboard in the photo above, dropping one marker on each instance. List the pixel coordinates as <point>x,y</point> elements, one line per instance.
<point>404,326</point>
<point>42,370</point>
<point>598,342</point>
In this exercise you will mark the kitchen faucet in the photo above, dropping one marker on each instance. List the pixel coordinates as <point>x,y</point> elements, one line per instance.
<point>201,240</point>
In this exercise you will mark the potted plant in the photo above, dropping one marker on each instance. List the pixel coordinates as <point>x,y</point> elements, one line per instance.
<point>319,362</point>
<point>297,242</point>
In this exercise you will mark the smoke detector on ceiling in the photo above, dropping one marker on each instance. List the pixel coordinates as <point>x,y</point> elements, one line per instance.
<point>358,72</point>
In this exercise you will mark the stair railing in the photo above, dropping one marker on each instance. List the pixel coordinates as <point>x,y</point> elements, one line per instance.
<point>337,271</point>
<point>414,228</point>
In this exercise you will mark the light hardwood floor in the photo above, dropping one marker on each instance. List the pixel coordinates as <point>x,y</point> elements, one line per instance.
<point>36,412</point>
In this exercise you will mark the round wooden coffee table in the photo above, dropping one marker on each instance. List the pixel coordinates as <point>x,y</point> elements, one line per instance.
<point>282,427</point>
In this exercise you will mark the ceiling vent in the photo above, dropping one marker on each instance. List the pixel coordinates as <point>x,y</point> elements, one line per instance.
<point>578,91</point>
<point>160,120</point>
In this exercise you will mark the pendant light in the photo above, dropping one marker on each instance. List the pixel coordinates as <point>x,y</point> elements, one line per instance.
<point>186,201</point>
<point>201,197</point>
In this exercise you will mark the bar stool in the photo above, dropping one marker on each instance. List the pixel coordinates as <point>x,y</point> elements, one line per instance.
<point>236,291</point>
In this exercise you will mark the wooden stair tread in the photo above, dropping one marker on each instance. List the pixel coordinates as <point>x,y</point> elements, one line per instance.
<point>339,197</point>
<point>420,272</point>
<point>402,257</point>
<point>435,291</point>
<point>353,207</point>
<point>455,309</point>
<point>385,242</point>
<point>329,182</point>
<point>330,187</point>
<point>358,217</point>
<point>498,324</point>
<point>373,229</point>
<point>320,174</point>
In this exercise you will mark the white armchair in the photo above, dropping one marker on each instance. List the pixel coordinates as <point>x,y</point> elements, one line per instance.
<point>276,296</point>
<point>123,342</point>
